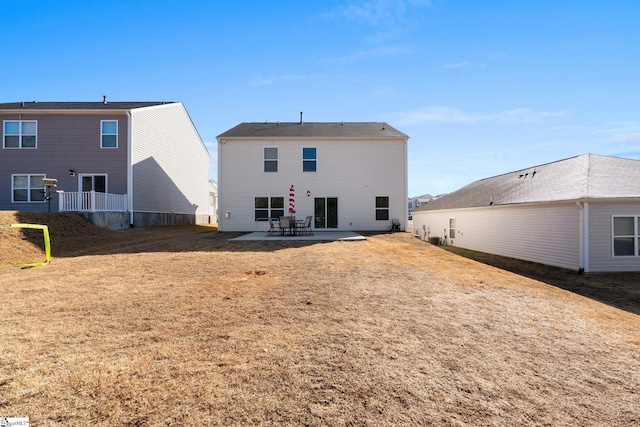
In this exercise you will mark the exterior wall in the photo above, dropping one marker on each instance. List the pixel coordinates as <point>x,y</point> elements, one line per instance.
<point>601,257</point>
<point>65,141</point>
<point>170,164</point>
<point>353,171</point>
<point>546,234</point>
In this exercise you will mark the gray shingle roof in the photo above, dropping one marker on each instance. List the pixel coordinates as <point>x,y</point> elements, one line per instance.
<point>369,130</point>
<point>68,106</point>
<point>589,176</point>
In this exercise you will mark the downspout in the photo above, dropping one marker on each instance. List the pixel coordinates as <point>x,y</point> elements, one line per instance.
<point>584,236</point>
<point>129,169</point>
<point>219,213</point>
<point>406,185</point>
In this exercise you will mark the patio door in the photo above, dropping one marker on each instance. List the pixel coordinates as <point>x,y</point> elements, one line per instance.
<point>97,183</point>
<point>326,212</point>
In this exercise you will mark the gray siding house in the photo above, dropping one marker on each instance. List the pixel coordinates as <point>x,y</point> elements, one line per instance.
<point>143,160</point>
<point>581,213</point>
<point>347,176</point>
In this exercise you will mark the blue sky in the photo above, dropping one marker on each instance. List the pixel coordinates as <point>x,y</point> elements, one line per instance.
<point>481,87</point>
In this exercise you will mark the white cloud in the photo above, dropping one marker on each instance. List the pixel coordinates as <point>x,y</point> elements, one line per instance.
<point>380,12</point>
<point>261,80</point>
<point>379,52</point>
<point>455,115</point>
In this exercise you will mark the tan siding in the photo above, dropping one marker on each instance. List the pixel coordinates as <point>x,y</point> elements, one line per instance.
<point>544,234</point>
<point>600,237</point>
<point>170,163</point>
<point>355,172</point>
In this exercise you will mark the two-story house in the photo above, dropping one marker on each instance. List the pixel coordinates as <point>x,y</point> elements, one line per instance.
<point>348,176</point>
<point>143,159</point>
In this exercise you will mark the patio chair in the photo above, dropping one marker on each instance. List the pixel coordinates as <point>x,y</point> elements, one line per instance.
<point>306,226</point>
<point>273,227</point>
<point>284,225</point>
<point>395,224</point>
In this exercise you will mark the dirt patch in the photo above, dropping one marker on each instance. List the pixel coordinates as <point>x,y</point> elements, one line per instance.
<point>177,326</point>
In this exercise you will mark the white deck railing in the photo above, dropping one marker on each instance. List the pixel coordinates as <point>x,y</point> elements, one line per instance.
<point>91,201</point>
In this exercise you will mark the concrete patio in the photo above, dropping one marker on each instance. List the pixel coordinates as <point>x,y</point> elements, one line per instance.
<point>319,236</point>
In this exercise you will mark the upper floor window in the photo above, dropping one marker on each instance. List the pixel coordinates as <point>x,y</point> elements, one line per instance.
<point>27,188</point>
<point>109,133</point>
<point>625,235</point>
<point>20,133</point>
<point>382,208</point>
<point>309,159</point>
<point>271,160</point>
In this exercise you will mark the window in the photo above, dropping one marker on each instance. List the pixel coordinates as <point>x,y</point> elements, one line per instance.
<point>271,160</point>
<point>309,160</point>
<point>20,134</point>
<point>452,228</point>
<point>382,208</point>
<point>109,133</point>
<point>268,207</point>
<point>625,235</point>
<point>27,188</point>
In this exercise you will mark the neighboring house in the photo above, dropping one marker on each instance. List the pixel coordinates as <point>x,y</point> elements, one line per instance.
<point>348,176</point>
<point>142,159</point>
<point>581,213</point>
<point>213,201</point>
<point>415,202</point>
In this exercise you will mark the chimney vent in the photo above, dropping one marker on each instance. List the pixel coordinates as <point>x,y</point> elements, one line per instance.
<point>104,99</point>
<point>300,117</point>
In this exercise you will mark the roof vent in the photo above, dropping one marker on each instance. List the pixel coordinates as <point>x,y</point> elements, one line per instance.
<point>300,117</point>
<point>22,104</point>
<point>104,99</point>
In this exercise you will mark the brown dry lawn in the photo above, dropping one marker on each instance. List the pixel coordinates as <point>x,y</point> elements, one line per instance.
<point>176,326</point>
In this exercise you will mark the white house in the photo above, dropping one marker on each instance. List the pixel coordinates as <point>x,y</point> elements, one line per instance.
<point>348,176</point>
<point>580,213</point>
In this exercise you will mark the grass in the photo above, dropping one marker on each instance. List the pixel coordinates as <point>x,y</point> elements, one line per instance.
<point>177,326</point>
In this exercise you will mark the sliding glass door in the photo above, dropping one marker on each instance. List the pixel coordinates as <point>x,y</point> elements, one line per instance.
<point>326,212</point>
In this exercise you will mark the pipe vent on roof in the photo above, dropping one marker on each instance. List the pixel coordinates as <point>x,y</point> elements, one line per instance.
<point>300,117</point>
<point>104,99</point>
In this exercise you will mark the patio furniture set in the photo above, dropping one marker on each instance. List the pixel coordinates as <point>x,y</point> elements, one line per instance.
<point>289,226</point>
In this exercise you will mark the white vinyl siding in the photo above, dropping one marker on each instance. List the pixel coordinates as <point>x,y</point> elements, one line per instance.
<point>170,163</point>
<point>546,234</point>
<point>355,172</point>
<point>601,258</point>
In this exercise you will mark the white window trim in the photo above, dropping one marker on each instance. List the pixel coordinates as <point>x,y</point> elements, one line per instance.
<point>28,175</point>
<point>269,209</point>
<point>103,134</point>
<point>20,135</point>
<point>376,208</point>
<point>93,175</point>
<point>454,228</point>
<point>315,159</point>
<point>635,236</point>
<point>277,160</point>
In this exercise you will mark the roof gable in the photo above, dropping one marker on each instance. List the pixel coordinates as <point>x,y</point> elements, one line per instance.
<point>370,130</point>
<point>588,176</point>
